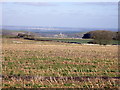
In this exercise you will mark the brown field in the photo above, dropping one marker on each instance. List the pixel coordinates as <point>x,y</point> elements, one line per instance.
<point>41,64</point>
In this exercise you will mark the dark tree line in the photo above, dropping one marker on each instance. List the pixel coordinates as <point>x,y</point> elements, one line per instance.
<point>102,37</point>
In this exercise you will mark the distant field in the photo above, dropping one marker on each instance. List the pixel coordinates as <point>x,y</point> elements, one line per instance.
<point>40,59</point>
<point>74,40</point>
<point>67,40</point>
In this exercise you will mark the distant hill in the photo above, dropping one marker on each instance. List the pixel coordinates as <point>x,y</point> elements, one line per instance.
<point>67,32</point>
<point>14,33</point>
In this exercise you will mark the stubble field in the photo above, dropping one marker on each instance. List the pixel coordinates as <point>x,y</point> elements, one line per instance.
<point>41,64</point>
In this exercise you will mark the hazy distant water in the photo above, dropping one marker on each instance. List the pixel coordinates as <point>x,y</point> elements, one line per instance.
<point>88,15</point>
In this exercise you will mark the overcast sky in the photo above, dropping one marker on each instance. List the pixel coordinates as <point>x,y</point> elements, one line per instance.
<point>61,14</point>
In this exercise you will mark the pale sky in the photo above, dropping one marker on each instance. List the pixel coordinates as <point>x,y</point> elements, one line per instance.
<point>61,0</point>
<point>61,14</point>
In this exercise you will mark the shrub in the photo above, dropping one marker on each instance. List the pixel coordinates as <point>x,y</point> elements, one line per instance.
<point>25,36</point>
<point>101,37</point>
